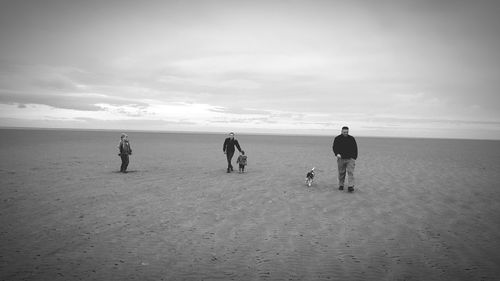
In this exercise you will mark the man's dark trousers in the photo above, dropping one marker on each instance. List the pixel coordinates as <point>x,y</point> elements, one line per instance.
<point>229,155</point>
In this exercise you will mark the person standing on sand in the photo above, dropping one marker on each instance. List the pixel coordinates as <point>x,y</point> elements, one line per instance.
<point>125,151</point>
<point>242,161</point>
<point>228,149</point>
<point>345,149</point>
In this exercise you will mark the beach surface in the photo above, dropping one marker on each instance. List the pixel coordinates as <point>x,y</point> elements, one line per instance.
<point>423,209</point>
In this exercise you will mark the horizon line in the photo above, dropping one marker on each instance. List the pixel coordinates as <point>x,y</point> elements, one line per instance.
<point>225,133</point>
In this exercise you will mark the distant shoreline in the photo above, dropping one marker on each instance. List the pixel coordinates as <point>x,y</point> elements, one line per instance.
<point>225,132</point>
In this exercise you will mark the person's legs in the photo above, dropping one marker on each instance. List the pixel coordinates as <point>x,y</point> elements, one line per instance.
<point>351,163</point>
<point>121,166</point>
<point>342,169</point>
<point>229,155</point>
<point>125,162</point>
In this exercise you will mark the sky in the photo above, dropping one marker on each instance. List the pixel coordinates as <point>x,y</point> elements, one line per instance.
<point>383,68</point>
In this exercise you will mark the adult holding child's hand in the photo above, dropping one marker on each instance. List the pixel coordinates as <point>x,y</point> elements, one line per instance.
<point>228,148</point>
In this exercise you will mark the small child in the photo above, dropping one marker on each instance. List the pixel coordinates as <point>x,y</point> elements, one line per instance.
<point>242,160</point>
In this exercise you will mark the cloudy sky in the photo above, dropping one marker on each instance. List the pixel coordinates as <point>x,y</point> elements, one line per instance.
<point>384,68</point>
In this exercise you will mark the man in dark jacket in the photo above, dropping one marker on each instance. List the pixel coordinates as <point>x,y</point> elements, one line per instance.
<point>228,149</point>
<point>346,151</point>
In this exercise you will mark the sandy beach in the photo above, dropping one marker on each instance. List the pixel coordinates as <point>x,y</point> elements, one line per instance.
<point>423,209</point>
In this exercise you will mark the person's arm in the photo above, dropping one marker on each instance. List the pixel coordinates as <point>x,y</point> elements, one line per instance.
<point>224,146</point>
<point>237,145</point>
<point>355,154</point>
<point>335,147</point>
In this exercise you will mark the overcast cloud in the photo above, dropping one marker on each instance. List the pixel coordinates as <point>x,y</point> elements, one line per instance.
<point>396,68</point>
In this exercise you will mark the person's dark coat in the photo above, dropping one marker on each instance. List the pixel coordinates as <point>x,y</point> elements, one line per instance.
<point>346,146</point>
<point>229,145</point>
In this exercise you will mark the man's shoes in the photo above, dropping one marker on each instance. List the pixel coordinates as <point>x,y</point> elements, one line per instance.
<point>341,187</point>
<point>350,189</point>
<point>228,170</point>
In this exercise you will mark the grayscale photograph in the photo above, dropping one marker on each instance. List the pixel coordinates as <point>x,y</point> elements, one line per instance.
<point>250,140</point>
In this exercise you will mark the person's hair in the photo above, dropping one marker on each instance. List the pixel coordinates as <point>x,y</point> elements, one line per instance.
<point>345,128</point>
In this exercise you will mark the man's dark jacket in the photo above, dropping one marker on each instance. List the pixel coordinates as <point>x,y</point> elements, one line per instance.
<point>345,146</point>
<point>229,144</point>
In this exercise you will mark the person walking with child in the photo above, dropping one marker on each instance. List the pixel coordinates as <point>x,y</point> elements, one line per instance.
<point>228,149</point>
<point>125,151</point>
<point>242,160</point>
<point>345,149</point>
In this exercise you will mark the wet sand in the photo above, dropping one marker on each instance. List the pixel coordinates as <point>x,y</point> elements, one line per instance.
<point>422,209</point>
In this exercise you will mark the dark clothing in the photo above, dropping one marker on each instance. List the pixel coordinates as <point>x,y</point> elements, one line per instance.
<point>229,156</point>
<point>310,175</point>
<point>125,161</point>
<point>125,148</point>
<point>242,160</point>
<point>228,148</point>
<point>229,144</point>
<point>125,151</point>
<point>346,147</point>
